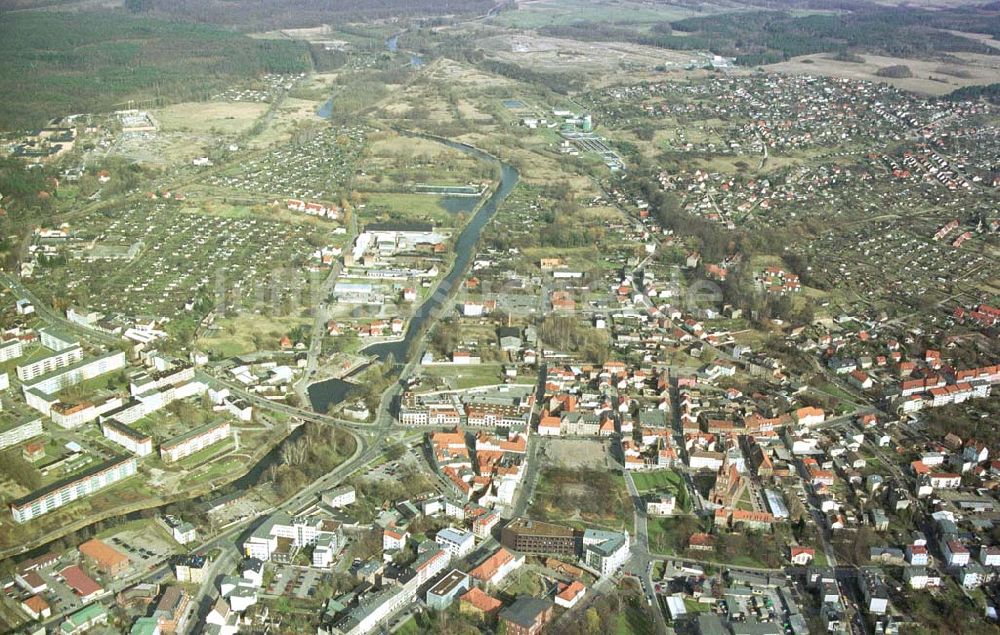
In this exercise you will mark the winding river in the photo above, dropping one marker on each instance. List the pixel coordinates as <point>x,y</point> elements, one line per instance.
<point>321,394</point>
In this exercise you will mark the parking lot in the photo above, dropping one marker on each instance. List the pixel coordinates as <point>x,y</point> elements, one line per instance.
<point>144,547</point>
<point>295,582</point>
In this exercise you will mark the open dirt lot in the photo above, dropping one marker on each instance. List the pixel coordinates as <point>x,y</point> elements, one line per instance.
<point>576,453</point>
<point>930,77</point>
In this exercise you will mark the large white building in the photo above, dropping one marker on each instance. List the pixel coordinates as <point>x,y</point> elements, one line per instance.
<point>66,491</point>
<point>198,439</point>
<point>605,551</point>
<point>281,532</point>
<point>11,349</point>
<point>456,542</point>
<point>138,443</point>
<point>339,496</point>
<point>12,432</point>
<point>29,371</point>
<point>74,416</point>
<point>65,375</point>
<point>57,341</point>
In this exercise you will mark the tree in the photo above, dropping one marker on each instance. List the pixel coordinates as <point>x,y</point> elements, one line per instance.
<point>395,451</point>
<point>139,6</point>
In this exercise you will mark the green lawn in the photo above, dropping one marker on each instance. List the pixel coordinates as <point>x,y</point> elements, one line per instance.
<point>409,627</point>
<point>658,480</point>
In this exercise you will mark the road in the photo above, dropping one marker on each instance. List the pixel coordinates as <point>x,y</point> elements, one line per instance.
<point>320,317</point>
<point>640,564</point>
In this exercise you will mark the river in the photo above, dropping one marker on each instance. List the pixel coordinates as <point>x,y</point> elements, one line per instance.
<point>321,394</point>
<point>392,43</point>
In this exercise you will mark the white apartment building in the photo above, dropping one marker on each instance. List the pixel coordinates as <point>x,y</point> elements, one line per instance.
<point>456,542</point>
<point>340,496</point>
<point>11,349</point>
<point>136,442</point>
<point>12,433</point>
<point>198,439</point>
<point>78,371</point>
<point>70,417</point>
<point>66,491</point>
<point>63,358</point>
<point>57,341</point>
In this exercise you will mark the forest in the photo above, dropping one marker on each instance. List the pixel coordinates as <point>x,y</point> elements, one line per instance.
<point>307,13</point>
<point>60,63</point>
<point>765,37</point>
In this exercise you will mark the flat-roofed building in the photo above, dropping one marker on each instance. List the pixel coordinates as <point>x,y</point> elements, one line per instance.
<point>66,375</point>
<point>68,490</point>
<point>441,595</point>
<point>29,371</point>
<point>532,536</point>
<point>17,430</point>
<point>198,439</point>
<point>11,349</point>
<point>57,340</point>
<point>138,443</point>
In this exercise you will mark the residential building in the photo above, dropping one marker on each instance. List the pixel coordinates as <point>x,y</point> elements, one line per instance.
<point>105,558</point>
<point>195,440</point>
<point>662,506</point>
<point>37,607</point>
<point>497,567</point>
<point>138,443</point>
<point>68,490</point>
<point>61,359</point>
<point>570,594</point>
<point>11,349</point>
<point>14,431</point>
<point>172,610</point>
<point>526,616</point>
<point>339,496</point>
<point>476,602</point>
<point>57,340</point>
<point>441,595</point>
<point>456,542</point>
<point>191,569</point>
<point>874,592</point>
<point>532,536</point>
<point>84,620</point>
<point>73,373</point>
<point>955,553</point>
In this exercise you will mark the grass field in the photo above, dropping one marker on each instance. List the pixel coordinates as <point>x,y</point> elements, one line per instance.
<point>658,480</point>
<point>411,207</point>
<point>460,377</point>
<point>557,12</point>
<point>927,77</point>
<point>583,498</point>
<point>228,118</point>
<point>248,333</point>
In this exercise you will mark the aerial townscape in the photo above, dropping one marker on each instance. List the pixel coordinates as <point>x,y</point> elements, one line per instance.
<point>512,317</point>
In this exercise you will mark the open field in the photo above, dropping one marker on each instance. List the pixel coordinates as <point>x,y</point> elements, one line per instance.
<point>582,497</point>
<point>539,13</point>
<point>576,453</point>
<point>220,117</point>
<point>248,333</point>
<point>930,77</point>
<point>561,55</point>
